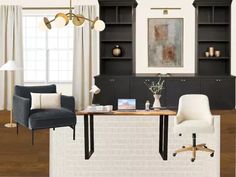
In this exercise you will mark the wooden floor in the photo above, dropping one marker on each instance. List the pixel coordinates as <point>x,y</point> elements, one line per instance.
<point>19,159</point>
<point>228,143</point>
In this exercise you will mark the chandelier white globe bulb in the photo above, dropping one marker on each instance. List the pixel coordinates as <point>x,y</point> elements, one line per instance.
<point>59,22</point>
<point>99,25</point>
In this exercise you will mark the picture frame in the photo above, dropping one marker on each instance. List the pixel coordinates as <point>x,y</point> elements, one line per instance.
<point>165,42</point>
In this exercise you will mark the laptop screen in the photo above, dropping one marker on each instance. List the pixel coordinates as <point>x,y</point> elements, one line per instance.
<point>126,104</point>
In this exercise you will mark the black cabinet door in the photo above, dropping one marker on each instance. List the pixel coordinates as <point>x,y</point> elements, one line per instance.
<point>176,87</point>
<point>106,96</point>
<point>221,92</point>
<point>112,88</point>
<point>121,90</point>
<point>141,93</point>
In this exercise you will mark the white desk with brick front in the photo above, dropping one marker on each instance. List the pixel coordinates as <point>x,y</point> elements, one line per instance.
<point>163,128</point>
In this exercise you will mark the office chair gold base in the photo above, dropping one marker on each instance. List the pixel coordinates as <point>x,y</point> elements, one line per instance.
<point>199,147</point>
<point>10,125</point>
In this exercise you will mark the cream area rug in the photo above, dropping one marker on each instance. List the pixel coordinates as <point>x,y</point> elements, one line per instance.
<point>128,147</point>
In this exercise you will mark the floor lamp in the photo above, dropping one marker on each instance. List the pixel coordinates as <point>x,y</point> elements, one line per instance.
<point>10,66</point>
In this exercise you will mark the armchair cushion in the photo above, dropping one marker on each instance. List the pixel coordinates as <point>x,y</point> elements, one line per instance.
<point>45,101</point>
<point>49,118</point>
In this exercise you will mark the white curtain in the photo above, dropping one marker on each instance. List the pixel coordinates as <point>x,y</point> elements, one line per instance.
<point>84,58</point>
<point>11,48</point>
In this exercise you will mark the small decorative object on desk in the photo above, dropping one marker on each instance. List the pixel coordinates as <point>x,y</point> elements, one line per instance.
<point>116,51</point>
<point>108,108</point>
<point>147,106</point>
<point>156,88</point>
<point>99,108</point>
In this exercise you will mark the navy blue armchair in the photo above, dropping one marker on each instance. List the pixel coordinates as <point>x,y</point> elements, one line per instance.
<point>42,118</point>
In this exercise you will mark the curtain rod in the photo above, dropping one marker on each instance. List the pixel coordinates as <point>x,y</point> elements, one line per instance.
<point>46,8</point>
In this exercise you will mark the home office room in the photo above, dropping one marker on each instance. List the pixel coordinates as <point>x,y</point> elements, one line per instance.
<point>121,88</point>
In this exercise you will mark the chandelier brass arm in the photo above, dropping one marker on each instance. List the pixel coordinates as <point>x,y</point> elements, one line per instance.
<point>61,19</point>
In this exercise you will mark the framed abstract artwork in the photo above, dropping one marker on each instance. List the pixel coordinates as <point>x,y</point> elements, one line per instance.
<point>165,42</point>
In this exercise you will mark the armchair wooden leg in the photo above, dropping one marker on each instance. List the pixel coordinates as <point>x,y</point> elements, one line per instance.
<point>32,137</point>
<point>17,128</point>
<point>74,132</point>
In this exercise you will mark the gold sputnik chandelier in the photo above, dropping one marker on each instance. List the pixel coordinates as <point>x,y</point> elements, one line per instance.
<point>61,19</point>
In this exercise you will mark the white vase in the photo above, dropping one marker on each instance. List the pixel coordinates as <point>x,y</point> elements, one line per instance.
<point>156,104</point>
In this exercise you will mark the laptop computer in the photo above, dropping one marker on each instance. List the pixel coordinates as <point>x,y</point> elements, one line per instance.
<point>127,105</point>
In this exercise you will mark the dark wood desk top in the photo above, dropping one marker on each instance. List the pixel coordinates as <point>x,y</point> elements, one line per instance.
<point>131,113</point>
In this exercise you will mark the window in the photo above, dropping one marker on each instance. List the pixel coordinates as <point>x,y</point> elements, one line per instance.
<point>48,56</point>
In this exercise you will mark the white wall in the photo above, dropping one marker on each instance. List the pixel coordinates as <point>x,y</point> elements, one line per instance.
<point>143,13</point>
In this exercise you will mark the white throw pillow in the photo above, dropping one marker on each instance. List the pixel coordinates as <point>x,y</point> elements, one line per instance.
<point>45,101</point>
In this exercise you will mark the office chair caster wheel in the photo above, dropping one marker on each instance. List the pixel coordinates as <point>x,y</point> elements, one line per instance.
<point>183,146</point>
<point>192,159</point>
<point>174,154</point>
<point>212,154</point>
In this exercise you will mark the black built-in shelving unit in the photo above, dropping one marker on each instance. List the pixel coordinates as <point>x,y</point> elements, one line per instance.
<point>118,79</point>
<point>213,28</point>
<point>119,16</point>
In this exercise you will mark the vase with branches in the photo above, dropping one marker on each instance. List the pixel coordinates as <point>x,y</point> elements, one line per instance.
<point>156,87</point>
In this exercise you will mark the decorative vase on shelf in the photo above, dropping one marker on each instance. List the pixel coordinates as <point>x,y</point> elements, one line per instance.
<point>116,51</point>
<point>211,51</point>
<point>156,104</point>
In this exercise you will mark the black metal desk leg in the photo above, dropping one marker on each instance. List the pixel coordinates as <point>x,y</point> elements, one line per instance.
<point>91,133</point>
<point>160,134</point>
<point>163,137</point>
<point>88,140</point>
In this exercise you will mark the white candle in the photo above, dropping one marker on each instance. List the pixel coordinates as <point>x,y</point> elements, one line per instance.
<point>211,51</point>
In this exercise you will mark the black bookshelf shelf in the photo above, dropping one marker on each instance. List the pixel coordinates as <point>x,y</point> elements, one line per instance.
<point>214,58</point>
<point>213,30</point>
<point>114,41</point>
<point>211,41</point>
<point>214,24</point>
<point>119,17</point>
<point>116,58</point>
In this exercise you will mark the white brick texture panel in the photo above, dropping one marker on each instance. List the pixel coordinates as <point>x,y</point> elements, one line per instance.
<point>128,147</point>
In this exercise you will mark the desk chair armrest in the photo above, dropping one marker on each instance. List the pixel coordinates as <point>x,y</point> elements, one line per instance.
<point>68,102</point>
<point>21,110</point>
<point>210,120</point>
<point>179,118</point>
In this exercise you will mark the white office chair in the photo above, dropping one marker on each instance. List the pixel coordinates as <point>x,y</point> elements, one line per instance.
<point>194,116</point>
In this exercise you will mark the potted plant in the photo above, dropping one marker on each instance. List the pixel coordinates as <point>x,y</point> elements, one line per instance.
<point>156,88</point>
